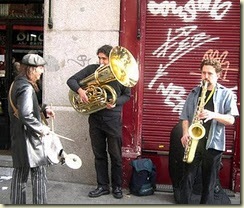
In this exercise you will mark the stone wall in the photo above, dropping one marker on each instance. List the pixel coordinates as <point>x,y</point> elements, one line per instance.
<point>79,29</point>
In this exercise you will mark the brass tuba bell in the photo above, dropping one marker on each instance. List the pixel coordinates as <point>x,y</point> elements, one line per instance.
<point>122,67</point>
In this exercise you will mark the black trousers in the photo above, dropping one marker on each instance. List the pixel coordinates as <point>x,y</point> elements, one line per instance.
<point>210,161</point>
<point>106,138</point>
<point>38,181</point>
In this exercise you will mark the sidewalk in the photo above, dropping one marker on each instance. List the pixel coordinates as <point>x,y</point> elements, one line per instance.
<point>73,193</point>
<point>66,193</point>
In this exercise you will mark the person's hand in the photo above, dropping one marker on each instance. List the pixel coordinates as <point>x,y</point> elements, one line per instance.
<point>83,96</point>
<point>49,112</point>
<point>184,140</point>
<point>109,105</point>
<point>206,115</point>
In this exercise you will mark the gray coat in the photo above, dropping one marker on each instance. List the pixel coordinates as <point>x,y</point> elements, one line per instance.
<point>26,145</point>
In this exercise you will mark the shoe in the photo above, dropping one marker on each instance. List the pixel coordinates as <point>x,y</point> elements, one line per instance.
<point>99,191</point>
<point>117,193</point>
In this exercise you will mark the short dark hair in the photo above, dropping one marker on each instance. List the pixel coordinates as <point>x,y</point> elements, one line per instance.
<point>211,62</point>
<point>105,49</point>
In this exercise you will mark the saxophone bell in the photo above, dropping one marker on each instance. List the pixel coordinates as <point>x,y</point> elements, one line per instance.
<point>196,131</point>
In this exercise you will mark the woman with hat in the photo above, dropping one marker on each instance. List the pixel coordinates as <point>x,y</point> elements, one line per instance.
<point>26,130</point>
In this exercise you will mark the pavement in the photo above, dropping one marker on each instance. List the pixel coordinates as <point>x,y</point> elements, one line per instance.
<point>65,193</point>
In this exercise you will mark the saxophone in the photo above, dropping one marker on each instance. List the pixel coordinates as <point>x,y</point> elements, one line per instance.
<point>196,129</point>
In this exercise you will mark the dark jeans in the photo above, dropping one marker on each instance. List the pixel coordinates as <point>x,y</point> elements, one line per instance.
<point>210,161</point>
<point>106,133</point>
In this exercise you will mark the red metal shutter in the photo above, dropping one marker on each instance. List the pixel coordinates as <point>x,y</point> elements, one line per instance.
<point>175,36</point>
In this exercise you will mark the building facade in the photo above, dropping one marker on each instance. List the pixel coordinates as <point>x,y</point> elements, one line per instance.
<point>168,40</point>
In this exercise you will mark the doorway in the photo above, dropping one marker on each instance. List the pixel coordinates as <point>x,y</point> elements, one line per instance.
<point>21,32</point>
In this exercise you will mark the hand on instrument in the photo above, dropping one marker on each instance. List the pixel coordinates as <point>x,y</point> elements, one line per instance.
<point>83,96</point>
<point>184,140</point>
<point>206,115</point>
<point>109,105</point>
<point>49,112</point>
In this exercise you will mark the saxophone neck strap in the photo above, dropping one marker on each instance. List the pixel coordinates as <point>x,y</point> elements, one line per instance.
<point>209,96</point>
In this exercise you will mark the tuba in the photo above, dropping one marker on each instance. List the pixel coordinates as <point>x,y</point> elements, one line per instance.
<point>196,129</point>
<point>122,67</point>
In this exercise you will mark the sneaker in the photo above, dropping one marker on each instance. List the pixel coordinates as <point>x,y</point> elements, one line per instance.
<point>99,191</point>
<point>117,193</point>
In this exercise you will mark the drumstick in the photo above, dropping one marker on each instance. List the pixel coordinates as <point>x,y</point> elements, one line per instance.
<point>52,123</point>
<point>63,137</point>
<point>52,129</point>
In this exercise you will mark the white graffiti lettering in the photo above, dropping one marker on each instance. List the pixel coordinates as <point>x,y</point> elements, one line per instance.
<point>188,12</point>
<point>174,96</point>
<point>184,42</point>
<point>160,72</point>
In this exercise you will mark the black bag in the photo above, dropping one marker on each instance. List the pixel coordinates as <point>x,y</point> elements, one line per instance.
<point>143,178</point>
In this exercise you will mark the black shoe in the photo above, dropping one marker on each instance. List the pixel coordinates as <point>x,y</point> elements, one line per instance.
<point>117,193</point>
<point>99,191</point>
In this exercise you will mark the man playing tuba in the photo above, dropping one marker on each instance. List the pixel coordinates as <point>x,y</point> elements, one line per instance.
<point>105,125</point>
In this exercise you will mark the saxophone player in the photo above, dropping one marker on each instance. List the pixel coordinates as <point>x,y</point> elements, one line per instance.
<point>219,110</point>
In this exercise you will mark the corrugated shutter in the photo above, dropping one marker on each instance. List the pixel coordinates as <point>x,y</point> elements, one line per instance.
<point>176,35</point>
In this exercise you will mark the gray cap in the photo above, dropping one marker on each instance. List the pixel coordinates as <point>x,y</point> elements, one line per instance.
<point>33,60</point>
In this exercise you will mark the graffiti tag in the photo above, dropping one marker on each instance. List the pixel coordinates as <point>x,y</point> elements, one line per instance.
<point>189,11</point>
<point>81,60</point>
<point>184,41</point>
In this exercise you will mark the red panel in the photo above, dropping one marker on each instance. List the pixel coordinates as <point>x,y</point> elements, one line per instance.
<point>27,27</point>
<point>2,27</point>
<point>237,183</point>
<point>226,173</point>
<point>169,47</point>
<point>175,37</point>
<point>131,115</point>
<point>131,110</point>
